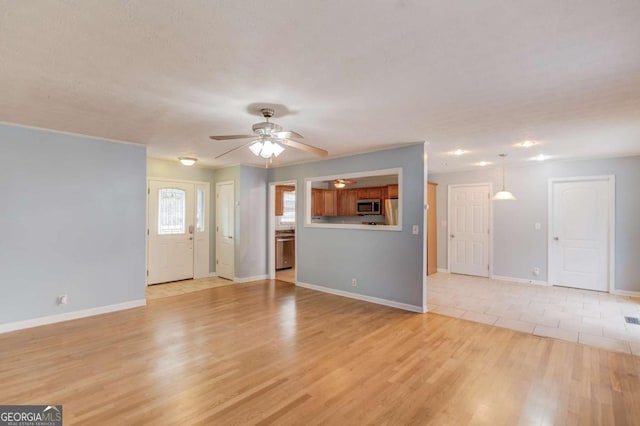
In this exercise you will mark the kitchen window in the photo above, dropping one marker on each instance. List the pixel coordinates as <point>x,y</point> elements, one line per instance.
<point>288,217</point>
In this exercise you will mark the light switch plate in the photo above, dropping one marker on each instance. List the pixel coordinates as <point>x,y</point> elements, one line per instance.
<point>538,226</point>
<point>416,229</point>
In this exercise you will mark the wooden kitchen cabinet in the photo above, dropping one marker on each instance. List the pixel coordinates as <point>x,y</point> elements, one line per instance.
<point>374,193</point>
<point>432,228</point>
<point>347,200</point>
<point>317,206</point>
<point>330,198</point>
<point>392,191</point>
<point>325,202</point>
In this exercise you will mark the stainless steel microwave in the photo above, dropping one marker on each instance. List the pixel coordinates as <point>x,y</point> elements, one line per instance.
<point>368,207</point>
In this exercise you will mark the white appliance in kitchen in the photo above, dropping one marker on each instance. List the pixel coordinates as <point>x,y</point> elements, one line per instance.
<point>391,211</point>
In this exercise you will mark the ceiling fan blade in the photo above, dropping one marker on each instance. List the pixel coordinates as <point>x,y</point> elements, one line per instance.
<point>304,147</point>
<point>224,138</point>
<point>233,149</point>
<point>288,134</point>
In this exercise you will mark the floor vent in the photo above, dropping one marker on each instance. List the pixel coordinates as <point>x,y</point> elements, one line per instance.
<point>632,320</point>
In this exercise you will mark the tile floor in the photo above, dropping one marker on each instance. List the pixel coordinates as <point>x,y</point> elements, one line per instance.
<point>158,291</point>
<point>580,316</point>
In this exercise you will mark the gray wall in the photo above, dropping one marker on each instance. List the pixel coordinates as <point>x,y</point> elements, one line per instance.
<point>253,219</point>
<point>387,264</point>
<point>72,222</point>
<point>518,247</point>
<point>174,170</point>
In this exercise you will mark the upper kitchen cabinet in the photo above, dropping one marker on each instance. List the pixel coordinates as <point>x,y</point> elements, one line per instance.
<point>317,202</point>
<point>330,198</point>
<point>392,191</point>
<point>355,200</point>
<point>370,193</point>
<point>347,201</point>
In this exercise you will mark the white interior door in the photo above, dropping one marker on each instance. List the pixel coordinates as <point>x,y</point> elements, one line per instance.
<point>170,249</point>
<point>579,234</point>
<point>225,230</point>
<point>469,230</point>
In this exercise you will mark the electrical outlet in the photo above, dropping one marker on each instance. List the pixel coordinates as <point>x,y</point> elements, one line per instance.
<point>536,271</point>
<point>62,299</point>
<point>354,282</point>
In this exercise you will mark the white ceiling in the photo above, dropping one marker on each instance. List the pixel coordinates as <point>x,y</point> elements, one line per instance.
<point>351,76</point>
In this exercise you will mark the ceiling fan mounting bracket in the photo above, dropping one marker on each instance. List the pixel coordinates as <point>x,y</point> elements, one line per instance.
<point>267,112</point>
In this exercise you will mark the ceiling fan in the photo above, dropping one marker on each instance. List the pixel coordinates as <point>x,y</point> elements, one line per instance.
<point>268,139</point>
<point>341,183</point>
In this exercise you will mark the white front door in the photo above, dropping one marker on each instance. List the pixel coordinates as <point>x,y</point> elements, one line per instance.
<point>201,234</point>
<point>469,229</point>
<point>171,227</point>
<point>578,252</point>
<point>225,230</point>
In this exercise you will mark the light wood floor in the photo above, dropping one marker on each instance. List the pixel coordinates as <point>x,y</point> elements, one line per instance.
<point>268,352</point>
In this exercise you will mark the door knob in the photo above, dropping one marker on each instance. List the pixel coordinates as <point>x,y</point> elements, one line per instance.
<point>453,236</point>
<point>556,238</point>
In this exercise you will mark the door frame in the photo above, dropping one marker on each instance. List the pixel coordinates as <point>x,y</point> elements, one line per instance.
<point>207,221</point>
<point>235,226</point>
<point>490,220</point>
<point>271,235</point>
<point>611,213</point>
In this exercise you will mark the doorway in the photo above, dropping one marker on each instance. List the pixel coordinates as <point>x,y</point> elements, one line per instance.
<point>177,231</point>
<point>469,229</point>
<point>282,231</point>
<point>581,232</point>
<point>225,229</point>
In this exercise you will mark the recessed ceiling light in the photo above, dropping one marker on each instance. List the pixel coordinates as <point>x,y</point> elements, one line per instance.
<point>187,161</point>
<point>527,144</point>
<point>483,163</point>
<point>459,152</point>
<point>540,157</point>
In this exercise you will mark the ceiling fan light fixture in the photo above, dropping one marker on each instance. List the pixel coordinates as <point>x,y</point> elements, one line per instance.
<point>277,149</point>
<point>339,184</point>
<point>267,149</point>
<point>256,148</point>
<point>187,161</point>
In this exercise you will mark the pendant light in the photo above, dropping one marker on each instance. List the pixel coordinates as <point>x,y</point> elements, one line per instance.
<point>503,194</point>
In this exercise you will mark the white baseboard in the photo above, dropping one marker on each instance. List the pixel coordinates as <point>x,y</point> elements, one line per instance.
<point>626,293</point>
<point>519,280</point>
<point>371,299</point>
<point>444,270</point>
<point>248,279</point>
<point>67,316</point>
